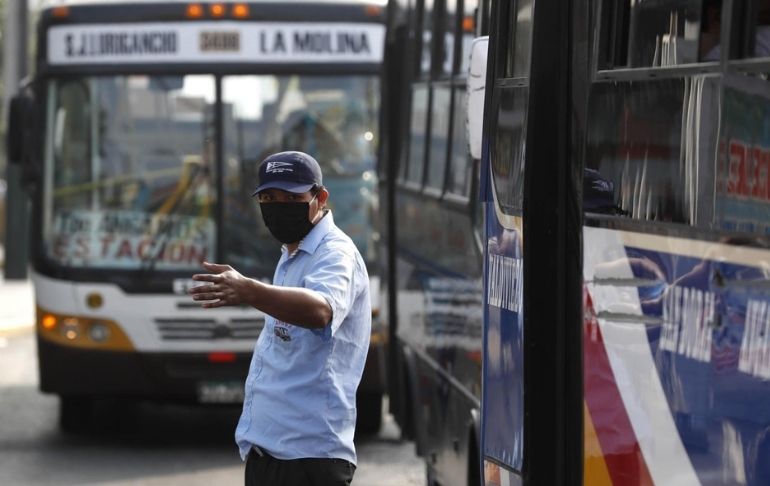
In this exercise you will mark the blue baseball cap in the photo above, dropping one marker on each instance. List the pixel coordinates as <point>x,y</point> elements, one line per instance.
<point>295,172</point>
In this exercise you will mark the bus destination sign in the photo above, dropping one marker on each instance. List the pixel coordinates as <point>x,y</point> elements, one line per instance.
<point>220,42</point>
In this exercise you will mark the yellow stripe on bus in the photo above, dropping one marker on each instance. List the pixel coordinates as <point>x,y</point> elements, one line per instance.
<point>595,472</point>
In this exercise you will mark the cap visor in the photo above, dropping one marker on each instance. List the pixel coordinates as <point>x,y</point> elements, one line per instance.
<point>294,187</point>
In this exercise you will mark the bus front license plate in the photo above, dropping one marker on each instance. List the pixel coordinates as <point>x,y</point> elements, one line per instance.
<point>220,392</point>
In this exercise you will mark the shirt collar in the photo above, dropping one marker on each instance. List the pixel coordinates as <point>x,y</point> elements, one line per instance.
<point>310,242</point>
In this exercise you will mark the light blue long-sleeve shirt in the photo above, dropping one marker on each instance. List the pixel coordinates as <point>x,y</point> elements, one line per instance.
<point>300,396</point>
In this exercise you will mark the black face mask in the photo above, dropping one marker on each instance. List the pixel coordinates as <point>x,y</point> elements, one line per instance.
<point>288,222</point>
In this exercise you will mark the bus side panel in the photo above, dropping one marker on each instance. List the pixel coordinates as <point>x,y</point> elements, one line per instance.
<point>677,359</point>
<point>503,384</point>
<point>439,316</point>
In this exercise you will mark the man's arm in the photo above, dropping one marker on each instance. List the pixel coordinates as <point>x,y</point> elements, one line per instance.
<point>294,305</point>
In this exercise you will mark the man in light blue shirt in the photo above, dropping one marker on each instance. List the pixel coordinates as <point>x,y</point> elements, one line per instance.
<point>299,411</point>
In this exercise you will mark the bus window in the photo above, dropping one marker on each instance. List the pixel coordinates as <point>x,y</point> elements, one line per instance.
<point>634,144</point>
<point>460,167</point>
<point>130,172</point>
<point>664,33</point>
<point>467,26</point>
<point>743,169</point>
<point>508,151</point>
<point>760,45</point>
<point>448,23</point>
<point>417,137</point>
<point>72,141</point>
<point>439,138</point>
<point>427,38</point>
<point>517,62</point>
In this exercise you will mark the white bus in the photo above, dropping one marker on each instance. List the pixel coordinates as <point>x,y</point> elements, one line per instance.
<point>139,136</point>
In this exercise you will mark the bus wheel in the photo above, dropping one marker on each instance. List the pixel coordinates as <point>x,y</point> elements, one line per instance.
<point>368,413</point>
<point>75,413</point>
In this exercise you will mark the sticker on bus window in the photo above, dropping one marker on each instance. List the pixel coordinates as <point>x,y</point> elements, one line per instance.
<point>130,239</point>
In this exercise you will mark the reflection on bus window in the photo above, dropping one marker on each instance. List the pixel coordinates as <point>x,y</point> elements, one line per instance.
<point>509,148</point>
<point>634,141</point>
<point>72,140</point>
<point>656,143</point>
<point>519,52</point>
<point>664,33</point>
<point>130,162</point>
<point>743,178</point>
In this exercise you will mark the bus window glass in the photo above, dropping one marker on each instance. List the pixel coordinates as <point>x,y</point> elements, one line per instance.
<point>439,137</point>
<point>130,170</point>
<point>508,152</point>
<point>743,169</point>
<point>449,23</point>
<point>664,33</point>
<point>72,140</point>
<point>521,43</point>
<point>427,38</point>
<point>460,160</point>
<point>634,148</point>
<point>760,46</point>
<point>419,119</point>
<point>333,118</point>
<point>468,33</point>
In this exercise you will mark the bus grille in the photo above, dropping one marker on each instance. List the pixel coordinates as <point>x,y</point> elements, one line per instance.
<point>176,329</point>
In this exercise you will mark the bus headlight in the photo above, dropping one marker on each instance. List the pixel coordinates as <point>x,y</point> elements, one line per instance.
<point>82,332</point>
<point>99,332</point>
<point>70,328</point>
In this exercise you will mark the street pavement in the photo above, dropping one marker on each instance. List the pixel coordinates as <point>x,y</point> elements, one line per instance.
<point>17,307</point>
<point>154,444</point>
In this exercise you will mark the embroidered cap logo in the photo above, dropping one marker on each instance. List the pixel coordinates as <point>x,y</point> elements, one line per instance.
<point>278,167</point>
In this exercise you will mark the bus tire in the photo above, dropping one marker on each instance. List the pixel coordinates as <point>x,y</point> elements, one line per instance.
<point>75,413</point>
<point>369,413</point>
<point>474,461</point>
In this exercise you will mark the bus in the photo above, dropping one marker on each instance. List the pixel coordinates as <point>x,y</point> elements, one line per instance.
<point>624,180</point>
<point>140,135</point>
<point>432,228</point>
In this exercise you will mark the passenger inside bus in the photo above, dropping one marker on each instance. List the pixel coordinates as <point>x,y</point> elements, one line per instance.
<point>711,31</point>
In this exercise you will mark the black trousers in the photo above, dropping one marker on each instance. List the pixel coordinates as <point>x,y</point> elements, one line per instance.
<point>266,470</point>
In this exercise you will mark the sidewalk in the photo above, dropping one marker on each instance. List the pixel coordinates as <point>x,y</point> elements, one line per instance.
<point>17,305</point>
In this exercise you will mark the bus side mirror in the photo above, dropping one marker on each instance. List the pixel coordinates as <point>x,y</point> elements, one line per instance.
<point>19,134</point>
<point>477,77</point>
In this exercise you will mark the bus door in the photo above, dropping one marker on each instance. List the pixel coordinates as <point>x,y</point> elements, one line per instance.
<point>531,393</point>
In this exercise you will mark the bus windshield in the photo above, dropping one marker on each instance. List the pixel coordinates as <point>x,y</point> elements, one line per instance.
<point>333,118</point>
<point>130,172</point>
<point>132,165</point>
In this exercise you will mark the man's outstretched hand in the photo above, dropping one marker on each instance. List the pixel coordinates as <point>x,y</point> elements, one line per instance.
<point>226,286</point>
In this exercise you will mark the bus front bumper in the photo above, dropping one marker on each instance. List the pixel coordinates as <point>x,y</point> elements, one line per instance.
<point>168,376</point>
